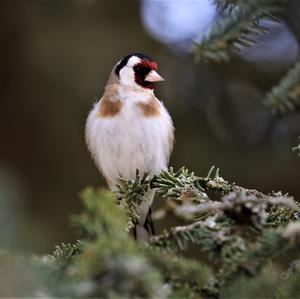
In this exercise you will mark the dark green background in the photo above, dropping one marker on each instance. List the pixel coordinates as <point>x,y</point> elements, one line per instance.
<point>55,57</point>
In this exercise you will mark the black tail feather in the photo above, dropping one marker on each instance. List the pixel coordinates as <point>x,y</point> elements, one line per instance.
<point>148,226</point>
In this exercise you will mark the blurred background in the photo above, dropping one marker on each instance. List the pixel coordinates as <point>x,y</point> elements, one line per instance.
<point>55,57</point>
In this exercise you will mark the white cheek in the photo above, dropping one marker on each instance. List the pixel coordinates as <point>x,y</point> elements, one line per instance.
<point>127,76</point>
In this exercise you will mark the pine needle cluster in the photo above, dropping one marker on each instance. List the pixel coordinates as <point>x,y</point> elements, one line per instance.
<point>297,149</point>
<point>286,96</point>
<point>239,25</point>
<point>238,28</point>
<point>243,235</point>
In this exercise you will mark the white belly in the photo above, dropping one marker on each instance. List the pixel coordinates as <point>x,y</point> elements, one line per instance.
<point>122,144</point>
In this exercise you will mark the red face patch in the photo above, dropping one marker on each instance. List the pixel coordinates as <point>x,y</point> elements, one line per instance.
<point>149,64</point>
<point>141,70</point>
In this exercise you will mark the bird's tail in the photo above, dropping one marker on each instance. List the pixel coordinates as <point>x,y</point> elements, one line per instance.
<point>142,233</point>
<point>144,228</point>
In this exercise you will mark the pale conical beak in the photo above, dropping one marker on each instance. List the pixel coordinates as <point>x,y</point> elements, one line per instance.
<point>153,76</point>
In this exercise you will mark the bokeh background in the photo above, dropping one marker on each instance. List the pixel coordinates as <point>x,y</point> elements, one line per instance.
<point>55,57</point>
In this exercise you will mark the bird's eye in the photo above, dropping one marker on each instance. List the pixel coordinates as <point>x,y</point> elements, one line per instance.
<point>137,68</point>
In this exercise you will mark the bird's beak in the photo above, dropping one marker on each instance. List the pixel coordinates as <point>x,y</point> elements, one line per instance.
<point>153,76</point>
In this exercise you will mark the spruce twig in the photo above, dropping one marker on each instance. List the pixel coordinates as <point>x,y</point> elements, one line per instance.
<point>285,97</point>
<point>130,195</point>
<point>184,275</point>
<point>184,184</point>
<point>67,250</point>
<point>179,237</point>
<point>226,4</point>
<point>297,149</point>
<point>237,29</point>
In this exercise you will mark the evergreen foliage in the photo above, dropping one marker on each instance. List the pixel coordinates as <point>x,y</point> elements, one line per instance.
<point>246,238</point>
<point>130,195</point>
<point>237,28</point>
<point>286,96</point>
<point>297,149</point>
<point>239,24</point>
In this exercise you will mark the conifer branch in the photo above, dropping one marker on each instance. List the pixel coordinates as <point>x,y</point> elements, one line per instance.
<point>241,230</point>
<point>252,257</point>
<point>64,250</point>
<point>190,194</point>
<point>239,207</point>
<point>185,276</point>
<point>110,264</point>
<point>288,286</point>
<point>285,97</point>
<point>237,29</point>
<point>226,4</point>
<point>184,184</point>
<point>130,195</point>
<point>100,211</point>
<point>250,206</point>
<point>179,237</point>
<point>67,250</point>
<point>269,283</point>
<point>297,149</point>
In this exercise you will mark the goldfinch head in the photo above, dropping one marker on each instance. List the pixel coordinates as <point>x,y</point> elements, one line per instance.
<point>137,70</point>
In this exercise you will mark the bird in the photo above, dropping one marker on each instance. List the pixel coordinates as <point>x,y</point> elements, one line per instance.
<point>130,130</point>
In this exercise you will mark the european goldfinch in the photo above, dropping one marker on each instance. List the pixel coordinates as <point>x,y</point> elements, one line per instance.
<point>129,129</point>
